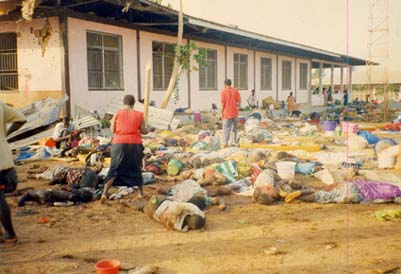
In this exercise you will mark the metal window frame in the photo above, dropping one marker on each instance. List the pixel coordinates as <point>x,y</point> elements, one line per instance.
<point>239,86</point>
<point>271,73</point>
<point>282,75</point>
<point>121,66</point>
<point>12,72</point>
<point>301,87</point>
<point>164,81</point>
<point>216,72</point>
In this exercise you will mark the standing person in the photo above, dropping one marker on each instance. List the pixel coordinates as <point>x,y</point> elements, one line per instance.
<point>127,149</point>
<point>291,103</point>
<point>330,96</point>
<point>7,171</point>
<point>230,100</point>
<point>252,99</point>
<point>345,98</point>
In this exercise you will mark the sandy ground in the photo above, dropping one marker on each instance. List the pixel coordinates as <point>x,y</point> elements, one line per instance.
<point>309,238</point>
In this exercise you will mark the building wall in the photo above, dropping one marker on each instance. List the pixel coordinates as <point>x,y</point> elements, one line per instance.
<point>265,93</point>
<point>283,94</point>
<point>146,39</point>
<point>302,94</point>
<point>38,76</point>
<point>230,71</point>
<point>42,76</point>
<point>80,93</point>
<point>203,99</point>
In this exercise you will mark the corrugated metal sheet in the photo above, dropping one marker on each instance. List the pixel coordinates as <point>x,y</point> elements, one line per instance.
<point>40,114</point>
<point>33,139</point>
<point>84,119</point>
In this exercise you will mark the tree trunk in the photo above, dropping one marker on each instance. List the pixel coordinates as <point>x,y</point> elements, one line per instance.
<point>147,93</point>
<point>176,67</point>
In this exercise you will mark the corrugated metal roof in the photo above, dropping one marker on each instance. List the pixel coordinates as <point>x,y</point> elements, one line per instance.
<point>148,15</point>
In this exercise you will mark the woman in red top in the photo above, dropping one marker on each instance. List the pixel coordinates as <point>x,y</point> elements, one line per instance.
<point>127,148</point>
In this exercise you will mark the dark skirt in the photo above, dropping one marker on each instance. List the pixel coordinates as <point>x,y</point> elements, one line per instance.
<point>126,165</point>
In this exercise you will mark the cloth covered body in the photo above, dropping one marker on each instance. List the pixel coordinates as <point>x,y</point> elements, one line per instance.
<point>172,214</point>
<point>184,191</point>
<point>343,193</point>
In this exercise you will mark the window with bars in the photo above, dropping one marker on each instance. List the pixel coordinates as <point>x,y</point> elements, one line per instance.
<point>208,72</point>
<point>8,62</point>
<point>266,74</point>
<point>286,75</point>
<point>105,70</point>
<point>241,71</point>
<point>163,62</point>
<point>303,76</point>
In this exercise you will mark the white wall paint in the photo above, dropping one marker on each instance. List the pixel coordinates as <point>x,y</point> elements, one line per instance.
<point>47,71</point>
<point>80,93</point>
<point>283,94</point>
<point>260,94</point>
<point>230,70</point>
<point>146,39</point>
<point>37,72</point>
<point>203,99</point>
<point>302,95</point>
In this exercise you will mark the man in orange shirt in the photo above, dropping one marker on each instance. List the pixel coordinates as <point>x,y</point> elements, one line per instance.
<point>230,100</point>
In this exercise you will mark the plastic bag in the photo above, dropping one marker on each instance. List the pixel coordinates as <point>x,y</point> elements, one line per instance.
<point>266,177</point>
<point>371,138</point>
<point>244,168</point>
<point>200,146</point>
<point>387,157</point>
<point>325,176</point>
<point>305,168</point>
<point>388,214</point>
<point>355,143</point>
<point>214,143</point>
<point>251,124</point>
<point>148,178</point>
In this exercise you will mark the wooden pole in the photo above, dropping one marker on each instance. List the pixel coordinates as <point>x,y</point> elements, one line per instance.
<point>147,93</point>
<point>176,67</point>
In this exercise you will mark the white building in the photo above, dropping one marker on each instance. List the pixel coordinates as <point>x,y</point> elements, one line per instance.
<point>94,52</point>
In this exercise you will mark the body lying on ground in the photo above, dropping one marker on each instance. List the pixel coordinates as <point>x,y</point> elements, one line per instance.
<point>174,215</point>
<point>189,191</point>
<point>49,197</point>
<point>357,191</point>
<point>75,177</point>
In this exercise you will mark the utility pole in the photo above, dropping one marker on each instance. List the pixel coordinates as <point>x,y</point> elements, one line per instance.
<point>378,50</point>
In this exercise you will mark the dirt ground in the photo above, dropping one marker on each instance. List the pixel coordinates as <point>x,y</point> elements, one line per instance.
<point>307,238</point>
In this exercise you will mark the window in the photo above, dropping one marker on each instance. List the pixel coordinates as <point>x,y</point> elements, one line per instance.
<point>8,61</point>
<point>303,76</point>
<point>265,74</point>
<point>286,75</point>
<point>241,71</point>
<point>105,69</point>
<point>163,62</point>
<point>208,72</point>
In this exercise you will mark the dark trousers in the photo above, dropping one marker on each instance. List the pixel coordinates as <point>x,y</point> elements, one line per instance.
<point>6,176</point>
<point>5,216</point>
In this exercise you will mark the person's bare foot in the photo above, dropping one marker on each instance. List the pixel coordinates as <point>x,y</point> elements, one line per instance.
<point>140,195</point>
<point>103,199</point>
<point>8,241</point>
